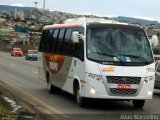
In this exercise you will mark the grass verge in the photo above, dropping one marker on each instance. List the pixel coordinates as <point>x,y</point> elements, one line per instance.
<point>4,108</point>
<point>5,111</point>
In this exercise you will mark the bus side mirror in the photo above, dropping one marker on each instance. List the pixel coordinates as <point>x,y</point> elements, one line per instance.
<point>75,36</point>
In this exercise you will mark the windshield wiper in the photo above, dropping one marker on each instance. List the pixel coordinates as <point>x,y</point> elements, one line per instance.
<point>110,56</point>
<point>138,57</point>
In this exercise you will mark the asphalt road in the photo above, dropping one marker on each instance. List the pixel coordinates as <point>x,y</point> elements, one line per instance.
<point>24,74</point>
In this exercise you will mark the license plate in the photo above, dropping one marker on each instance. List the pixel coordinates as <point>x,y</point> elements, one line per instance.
<point>124,86</point>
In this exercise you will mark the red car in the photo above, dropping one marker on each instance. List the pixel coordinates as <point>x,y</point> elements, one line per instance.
<point>16,51</point>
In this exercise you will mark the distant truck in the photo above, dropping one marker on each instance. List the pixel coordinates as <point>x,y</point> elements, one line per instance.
<point>32,54</point>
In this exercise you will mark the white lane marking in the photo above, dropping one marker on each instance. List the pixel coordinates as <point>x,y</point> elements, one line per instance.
<point>34,72</point>
<point>12,65</point>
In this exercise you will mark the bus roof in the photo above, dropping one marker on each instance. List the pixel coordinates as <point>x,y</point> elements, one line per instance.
<point>84,21</point>
<point>91,20</point>
<point>61,25</point>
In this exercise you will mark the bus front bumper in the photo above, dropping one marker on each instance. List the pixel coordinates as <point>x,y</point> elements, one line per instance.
<point>98,90</point>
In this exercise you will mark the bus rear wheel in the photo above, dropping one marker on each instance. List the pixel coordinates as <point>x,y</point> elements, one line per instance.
<point>52,89</point>
<point>138,103</point>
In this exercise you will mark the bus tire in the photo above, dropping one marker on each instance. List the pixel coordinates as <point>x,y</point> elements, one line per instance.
<point>50,86</point>
<point>80,101</point>
<point>138,103</point>
<point>52,89</point>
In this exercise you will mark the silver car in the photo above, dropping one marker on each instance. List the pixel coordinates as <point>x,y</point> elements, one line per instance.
<point>157,81</point>
<point>31,54</point>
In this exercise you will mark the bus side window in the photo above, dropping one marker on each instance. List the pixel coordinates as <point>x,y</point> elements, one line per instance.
<point>48,41</point>
<point>43,40</point>
<point>71,46</point>
<point>54,40</point>
<point>77,49</point>
<point>66,42</point>
<point>51,41</point>
<point>60,41</point>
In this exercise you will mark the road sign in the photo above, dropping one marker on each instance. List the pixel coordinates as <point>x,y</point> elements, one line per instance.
<point>23,29</point>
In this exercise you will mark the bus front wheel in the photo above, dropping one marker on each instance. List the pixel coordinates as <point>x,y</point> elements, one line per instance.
<point>80,101</point>
<point>138,103</point>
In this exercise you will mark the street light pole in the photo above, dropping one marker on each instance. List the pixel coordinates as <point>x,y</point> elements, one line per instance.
<point>35,4</point>
<point>44,2</point>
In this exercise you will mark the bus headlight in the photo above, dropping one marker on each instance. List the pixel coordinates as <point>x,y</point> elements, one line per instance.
<point>93,91</point>
<point>147,79</point>
<point>150,93</point>
<point>96,77</point>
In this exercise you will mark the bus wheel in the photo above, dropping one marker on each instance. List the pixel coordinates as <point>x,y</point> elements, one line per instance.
<point>138,103</point>
<point>51,88</point>
<point>80,101</point>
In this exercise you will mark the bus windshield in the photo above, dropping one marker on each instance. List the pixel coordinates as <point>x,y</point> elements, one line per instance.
<point>118,44</point>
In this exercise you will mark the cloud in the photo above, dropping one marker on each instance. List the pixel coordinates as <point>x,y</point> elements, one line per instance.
<point>142,17</point>
<point>109,15</point>
<point>18,4</point>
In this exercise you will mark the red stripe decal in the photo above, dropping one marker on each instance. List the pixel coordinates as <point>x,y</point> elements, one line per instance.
<point>54,62</point>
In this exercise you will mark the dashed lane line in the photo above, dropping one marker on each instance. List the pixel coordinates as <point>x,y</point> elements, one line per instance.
<point>34,72</point>
<point>12,65</point>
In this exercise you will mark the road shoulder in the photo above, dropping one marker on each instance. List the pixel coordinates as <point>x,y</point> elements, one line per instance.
<point>31,106</point>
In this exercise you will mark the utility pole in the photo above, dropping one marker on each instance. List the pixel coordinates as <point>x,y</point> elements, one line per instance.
<point>35,4</point>
<point>35,11</point>
<point>15,14</point>
<point>44,2</point>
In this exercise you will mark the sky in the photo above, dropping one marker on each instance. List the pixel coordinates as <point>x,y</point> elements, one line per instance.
<point>146,9</point>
